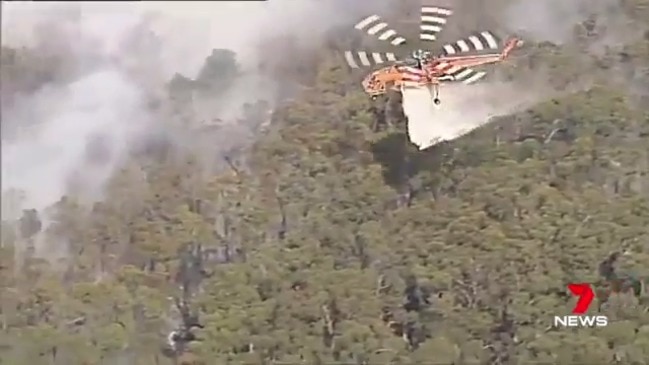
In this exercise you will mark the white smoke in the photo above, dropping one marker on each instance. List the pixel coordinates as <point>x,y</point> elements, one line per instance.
<point>556,20</point>
<point>102,109</point>
<point>69,137</point>
<point>94,116</point>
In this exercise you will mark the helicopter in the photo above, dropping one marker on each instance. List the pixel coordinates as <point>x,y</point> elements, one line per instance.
<point>422,67</point>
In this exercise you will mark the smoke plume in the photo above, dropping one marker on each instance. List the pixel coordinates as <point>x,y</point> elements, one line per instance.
<point>70,135</point>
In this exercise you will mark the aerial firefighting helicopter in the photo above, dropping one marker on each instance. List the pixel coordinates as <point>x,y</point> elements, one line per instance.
<point>422,68</point>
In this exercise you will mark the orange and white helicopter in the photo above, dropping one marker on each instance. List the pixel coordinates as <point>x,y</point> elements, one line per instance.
<point>422,68</point>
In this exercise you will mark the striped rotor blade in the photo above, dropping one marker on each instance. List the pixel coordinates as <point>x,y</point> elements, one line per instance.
<point>367,59</point>
<point>475,43</point>
<point>466,75</point>
<point>433,20</point>
<point>375,26</point>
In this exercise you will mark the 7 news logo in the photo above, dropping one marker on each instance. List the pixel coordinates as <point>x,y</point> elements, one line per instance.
<point>579,318</point>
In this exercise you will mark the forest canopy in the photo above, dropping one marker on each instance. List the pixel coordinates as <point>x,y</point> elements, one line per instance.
<point>331,239</point>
